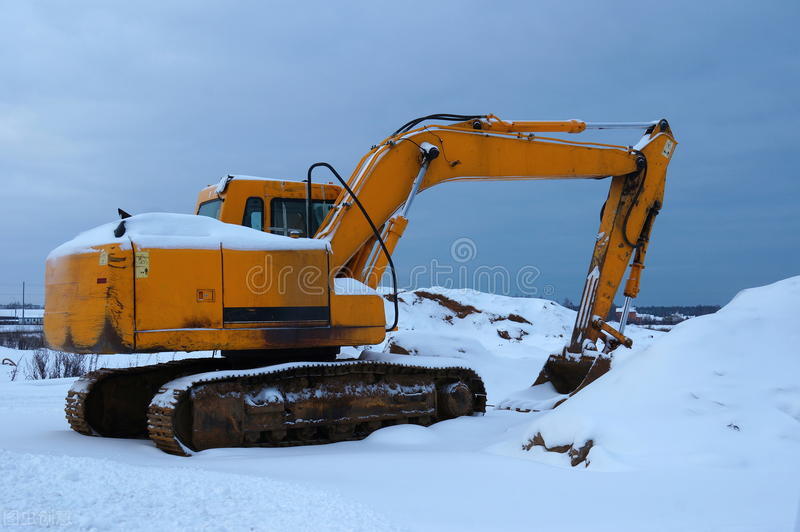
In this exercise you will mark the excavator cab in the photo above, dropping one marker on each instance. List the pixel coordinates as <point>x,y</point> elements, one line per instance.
<point>275,206</point>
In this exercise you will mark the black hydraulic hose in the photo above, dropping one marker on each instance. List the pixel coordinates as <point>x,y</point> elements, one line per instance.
<point>308,206</point>
<point>374,230</point>
<point>440,116</point>
<point>405,127</point>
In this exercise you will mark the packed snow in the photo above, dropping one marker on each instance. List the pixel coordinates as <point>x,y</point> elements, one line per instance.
<point>177,231</point>
<point>83,493</point>
<point>666,455</point>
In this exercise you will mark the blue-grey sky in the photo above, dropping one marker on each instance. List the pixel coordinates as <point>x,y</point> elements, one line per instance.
<point>140,104</point>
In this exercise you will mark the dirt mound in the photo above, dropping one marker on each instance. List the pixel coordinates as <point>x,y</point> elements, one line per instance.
<point>459,309</point>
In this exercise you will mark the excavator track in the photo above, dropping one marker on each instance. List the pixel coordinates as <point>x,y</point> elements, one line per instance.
<point>113,402</point>
<point>306,403</point>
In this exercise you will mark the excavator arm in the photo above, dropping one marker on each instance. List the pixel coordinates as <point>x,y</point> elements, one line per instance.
<point>388,178</point>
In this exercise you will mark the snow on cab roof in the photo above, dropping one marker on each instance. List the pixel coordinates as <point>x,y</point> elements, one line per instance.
<point>224,180</point>
<point>182,231</point>
<point>256,178</point>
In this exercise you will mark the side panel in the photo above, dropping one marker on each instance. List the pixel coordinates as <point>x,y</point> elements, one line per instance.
<point>89,301</point>
<point>362,312</point>
<point>178,289</point>
<point>275,288</point>
<point>358,311</point>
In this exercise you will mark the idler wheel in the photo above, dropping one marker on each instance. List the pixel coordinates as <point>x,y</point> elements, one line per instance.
<point>454,400</point>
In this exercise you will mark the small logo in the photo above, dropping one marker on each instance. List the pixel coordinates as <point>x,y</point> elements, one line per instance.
<point>667,148</point>
<point>142,264</point>
<point>463,250</point>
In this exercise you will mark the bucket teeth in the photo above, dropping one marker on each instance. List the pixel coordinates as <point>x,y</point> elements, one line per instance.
<point>562,376</point>
<point>570,373</point>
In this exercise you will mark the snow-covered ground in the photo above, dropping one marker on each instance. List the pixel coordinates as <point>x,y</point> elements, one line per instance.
<point>662,459</point>
<point>506,339</point>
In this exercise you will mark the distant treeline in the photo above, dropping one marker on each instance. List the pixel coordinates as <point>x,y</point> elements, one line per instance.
<point>660,311</point>
<point>694,310</point>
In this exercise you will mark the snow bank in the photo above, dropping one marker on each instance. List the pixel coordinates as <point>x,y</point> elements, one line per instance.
<point>170,231</point>
<point>718,391</point>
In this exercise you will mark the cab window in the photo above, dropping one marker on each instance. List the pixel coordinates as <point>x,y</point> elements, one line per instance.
<point>290,215</point>
<point>254,213</point>
<point>210,208</point>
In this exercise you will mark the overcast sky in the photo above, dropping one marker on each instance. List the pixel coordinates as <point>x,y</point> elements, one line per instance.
<point>139,105</point>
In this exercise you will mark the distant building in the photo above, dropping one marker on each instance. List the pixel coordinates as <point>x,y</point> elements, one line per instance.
<point>13,316</point>
<point>632,316</point>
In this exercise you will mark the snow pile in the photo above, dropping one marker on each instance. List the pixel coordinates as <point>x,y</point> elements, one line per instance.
<point>510,325</point>
<point>718,391</point>
<point>171,231</point>
<point>505,339</point>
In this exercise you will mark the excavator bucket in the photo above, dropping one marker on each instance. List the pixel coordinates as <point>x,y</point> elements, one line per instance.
<point>570,373</point>
<point>562,376</point>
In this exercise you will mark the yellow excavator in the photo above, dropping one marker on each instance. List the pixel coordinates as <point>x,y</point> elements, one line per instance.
<point>278,275</point>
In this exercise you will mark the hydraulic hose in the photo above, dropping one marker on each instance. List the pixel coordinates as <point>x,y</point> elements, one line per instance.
<point>441,116</point>
<point>374,230</point>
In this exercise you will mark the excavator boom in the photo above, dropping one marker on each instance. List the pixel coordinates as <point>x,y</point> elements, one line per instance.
<point>486,148</point>
<point>384,179</point>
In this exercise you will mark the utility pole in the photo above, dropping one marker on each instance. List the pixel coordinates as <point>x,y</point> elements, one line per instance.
<point>23,302</point>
